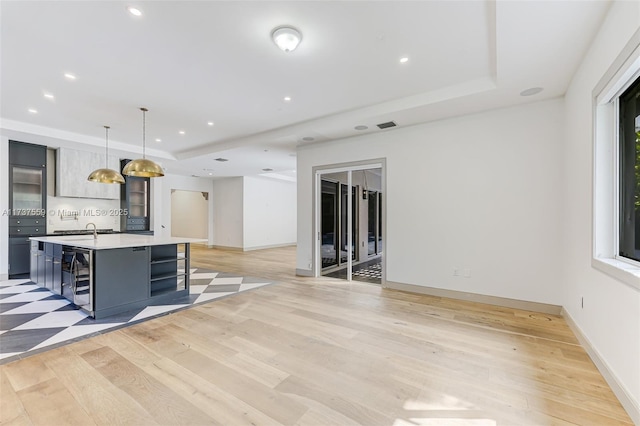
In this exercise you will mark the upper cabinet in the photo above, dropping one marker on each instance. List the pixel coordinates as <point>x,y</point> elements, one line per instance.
<point>135,199</point>
<point>73,168</point>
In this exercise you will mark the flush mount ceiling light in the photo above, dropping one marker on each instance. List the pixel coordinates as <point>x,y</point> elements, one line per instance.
<point>143,167</point>
<point>106,175</point>
<point>286,38</point>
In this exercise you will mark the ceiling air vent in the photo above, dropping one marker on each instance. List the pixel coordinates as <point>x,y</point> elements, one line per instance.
<point>222,160</point>
<point>386,125</point>
<point>267,170</point>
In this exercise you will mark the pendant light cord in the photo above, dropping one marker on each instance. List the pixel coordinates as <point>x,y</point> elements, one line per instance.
<point>106,150</point>
<point>144,132</point>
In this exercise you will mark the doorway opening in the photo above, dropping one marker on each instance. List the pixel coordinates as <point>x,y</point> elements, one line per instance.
<point>349,223</point>
<point>189,214</point>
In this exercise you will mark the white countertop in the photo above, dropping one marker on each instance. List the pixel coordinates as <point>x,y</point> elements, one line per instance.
<point>114,241</point>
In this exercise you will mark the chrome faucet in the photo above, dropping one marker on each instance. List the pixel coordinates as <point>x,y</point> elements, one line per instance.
<point>95,231</point>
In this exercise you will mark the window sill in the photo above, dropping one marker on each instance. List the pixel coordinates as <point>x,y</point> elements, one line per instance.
<point>622,271</point>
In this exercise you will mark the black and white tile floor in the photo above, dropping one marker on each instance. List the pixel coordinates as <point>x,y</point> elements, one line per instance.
<point>33,319</point>
<point>373,272</point>
<point>370,272</point>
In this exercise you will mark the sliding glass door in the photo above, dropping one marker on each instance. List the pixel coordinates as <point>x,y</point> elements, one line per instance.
<point>374,216</point>
<point>329,223</point>
<point>334,223</point>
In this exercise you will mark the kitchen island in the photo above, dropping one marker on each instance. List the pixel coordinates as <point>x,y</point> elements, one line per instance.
<point>112,273</point>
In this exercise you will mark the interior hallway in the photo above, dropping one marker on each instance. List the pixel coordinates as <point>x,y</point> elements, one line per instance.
<point>316,351</point>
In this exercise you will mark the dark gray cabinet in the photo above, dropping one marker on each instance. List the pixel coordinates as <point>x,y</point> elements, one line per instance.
<point>19,250</point>
<point>27,202</point>
<point>121,279</point>
<point>53,267</point>
<point>27,154</point>
<point>46,265</point>
<point>34,254</point>
<point>135,199</point>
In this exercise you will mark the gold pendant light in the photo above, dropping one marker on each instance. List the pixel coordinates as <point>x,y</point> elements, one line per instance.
<point>106,175</point>
<point>143,167</point>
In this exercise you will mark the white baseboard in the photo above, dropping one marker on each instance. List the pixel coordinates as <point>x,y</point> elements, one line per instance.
<point>251,248</point>
<point>226,248</point>
<point>304,272</point>
<point>628,403</point>
<point>4,277</point>
<point>268,246</point>
<point>480,298</point>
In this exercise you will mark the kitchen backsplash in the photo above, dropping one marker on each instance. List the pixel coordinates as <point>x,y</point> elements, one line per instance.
<point>64,213</point>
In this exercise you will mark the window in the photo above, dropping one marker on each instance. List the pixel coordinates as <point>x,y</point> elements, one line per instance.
<point>629,165</point>
<point>616,168</point>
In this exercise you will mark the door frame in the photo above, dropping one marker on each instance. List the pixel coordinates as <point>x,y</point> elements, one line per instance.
<point>318,171</point>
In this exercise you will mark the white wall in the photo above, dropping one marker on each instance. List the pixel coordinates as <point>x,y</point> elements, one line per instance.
<point>610,319</point>
<point>190,214</point>
<point>228,216</point>
<point>161,201</point>
<point>479,192</point>
<point>269,209</point>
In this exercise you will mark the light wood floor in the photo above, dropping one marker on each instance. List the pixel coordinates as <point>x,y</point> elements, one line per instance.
<point>316,352</point>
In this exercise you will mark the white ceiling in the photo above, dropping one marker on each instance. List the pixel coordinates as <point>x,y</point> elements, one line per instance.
<point>194,62</point>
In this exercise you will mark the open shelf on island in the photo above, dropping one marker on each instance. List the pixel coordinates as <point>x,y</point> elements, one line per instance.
<point>168,264</point>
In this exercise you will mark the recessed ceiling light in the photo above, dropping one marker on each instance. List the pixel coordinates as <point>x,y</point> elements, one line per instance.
<point>404,60</point>
<point>134,11</point>
<point>70,76</point>
<point>210,174</point>
<point>181,132</point>
<point>287,98</point>
<point>210,123</point>
<point>158,140</point>
<point>48,95</point>
<point>33,110</point>
<point>361,127</point>
<point>531,91</point>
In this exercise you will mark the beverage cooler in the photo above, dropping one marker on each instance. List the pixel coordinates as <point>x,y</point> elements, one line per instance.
<point>77,277</point>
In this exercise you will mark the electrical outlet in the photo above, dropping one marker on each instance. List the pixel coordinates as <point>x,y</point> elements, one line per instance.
<point>466,273</point>
<point>456,272</point>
